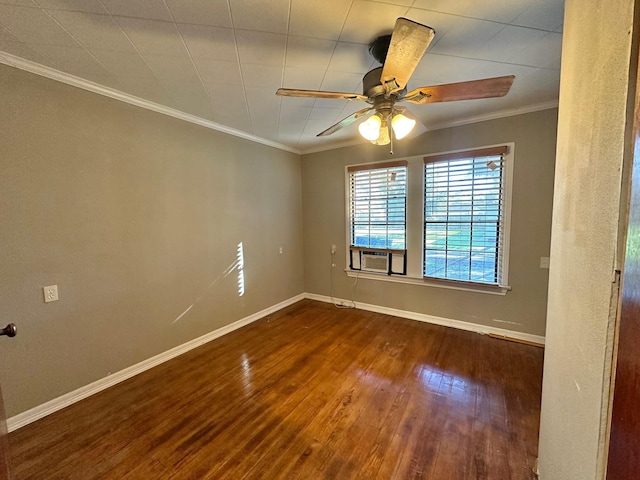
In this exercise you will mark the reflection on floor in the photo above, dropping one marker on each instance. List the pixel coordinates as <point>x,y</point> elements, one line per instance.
<point>312,392</point>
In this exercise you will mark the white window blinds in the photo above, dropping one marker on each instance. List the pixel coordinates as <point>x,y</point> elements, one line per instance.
<point>464,216</point>
<point>377,205</point>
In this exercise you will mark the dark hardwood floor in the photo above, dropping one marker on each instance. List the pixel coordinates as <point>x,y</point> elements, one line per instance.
<point>312,392</point>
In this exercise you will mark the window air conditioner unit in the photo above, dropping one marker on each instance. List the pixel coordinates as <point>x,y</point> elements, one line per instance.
<point>374,261</point>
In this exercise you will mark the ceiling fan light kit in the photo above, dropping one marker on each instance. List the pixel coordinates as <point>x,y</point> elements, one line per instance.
<point>376,128</point>
<point>402,125</point>
<point>370,128</point>
<point>385,86</point>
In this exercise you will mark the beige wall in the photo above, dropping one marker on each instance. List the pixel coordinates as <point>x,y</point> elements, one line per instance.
<point>135,216</point>
<point>586,214</point>
<point>522,309</point>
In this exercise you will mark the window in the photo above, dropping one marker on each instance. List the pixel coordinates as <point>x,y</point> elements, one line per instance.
<point>377,205</point>
<point>439,221</point>
<point>464,216</point>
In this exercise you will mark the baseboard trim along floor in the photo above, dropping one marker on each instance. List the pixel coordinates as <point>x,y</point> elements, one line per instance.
<point>81,393</point>
<point>422,317</point>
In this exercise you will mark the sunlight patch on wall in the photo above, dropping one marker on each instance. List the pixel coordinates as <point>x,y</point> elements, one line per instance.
<point>237,264</point>
<point>183,313</point>
<point>240,267</point>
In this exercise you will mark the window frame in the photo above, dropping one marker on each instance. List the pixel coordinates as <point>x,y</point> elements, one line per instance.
<point>415,226</point>
<point>504,211</point>
<point>353,169</point>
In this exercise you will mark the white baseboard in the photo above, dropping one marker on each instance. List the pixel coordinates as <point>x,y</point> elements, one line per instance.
<point>81,393</point>
<point>422,317</point>
<point>67,399</point>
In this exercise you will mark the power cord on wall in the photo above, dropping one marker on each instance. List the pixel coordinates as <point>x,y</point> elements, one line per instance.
<point>353,288</point>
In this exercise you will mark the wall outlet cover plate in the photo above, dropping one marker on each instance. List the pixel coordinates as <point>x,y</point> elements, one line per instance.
<point>50,293</point>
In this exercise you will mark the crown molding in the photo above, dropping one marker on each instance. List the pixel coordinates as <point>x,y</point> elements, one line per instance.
<point>495,115</point>
<point>334,146</point>
<point>57,75</point>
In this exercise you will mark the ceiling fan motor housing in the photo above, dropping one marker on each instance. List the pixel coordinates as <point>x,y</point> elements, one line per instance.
<point>379,47</point>
<point>372,87</point>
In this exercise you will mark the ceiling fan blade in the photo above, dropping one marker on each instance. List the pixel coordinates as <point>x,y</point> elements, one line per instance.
<point>451,92</point>
<point>292,92</point>
<point>344,122</point>
<point>408,44</point>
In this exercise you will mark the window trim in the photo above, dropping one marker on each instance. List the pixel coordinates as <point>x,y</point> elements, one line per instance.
<point>414,236</point>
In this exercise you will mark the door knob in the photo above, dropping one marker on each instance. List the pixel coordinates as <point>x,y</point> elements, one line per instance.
<point>10,330</point>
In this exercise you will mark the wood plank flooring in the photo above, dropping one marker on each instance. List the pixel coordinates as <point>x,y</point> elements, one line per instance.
<point>311,392</point>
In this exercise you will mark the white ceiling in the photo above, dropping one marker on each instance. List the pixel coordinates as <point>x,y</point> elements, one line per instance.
<point>222,60</point>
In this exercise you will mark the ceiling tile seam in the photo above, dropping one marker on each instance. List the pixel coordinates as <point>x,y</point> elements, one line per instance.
<point>108,12</point>
<point>38,7</point>
<point>20,41</point>
<point>80,44</point>
<point>244,87</point>
<point>144,59</point>
<point>525,11</point>
<point>16,5</point>
<point>381,2</point>
<point>490,38</point>
<point>284,63</point>
<point>284,69</point>
<point>195,66</point>
<point>58,9</point>
<point>135,47</point>
<point>521,49</point>
<point>344,22</point>
<point>486,19</point>
<point>494,61</point>
<point>324,76</point>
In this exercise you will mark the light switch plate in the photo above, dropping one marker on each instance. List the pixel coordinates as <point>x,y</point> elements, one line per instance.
<point>50,293</point>
<point>544,262</point>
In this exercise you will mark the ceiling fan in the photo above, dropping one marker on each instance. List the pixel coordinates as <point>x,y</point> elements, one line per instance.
<point>385,86</point>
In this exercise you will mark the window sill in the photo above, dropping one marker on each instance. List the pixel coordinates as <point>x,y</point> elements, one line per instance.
<point>500,290</point>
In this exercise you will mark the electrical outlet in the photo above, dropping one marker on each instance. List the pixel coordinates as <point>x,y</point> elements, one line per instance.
<point>280,250</point>
<point>333,249</point>
<point>50,293</point>
<point>544,262</point>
